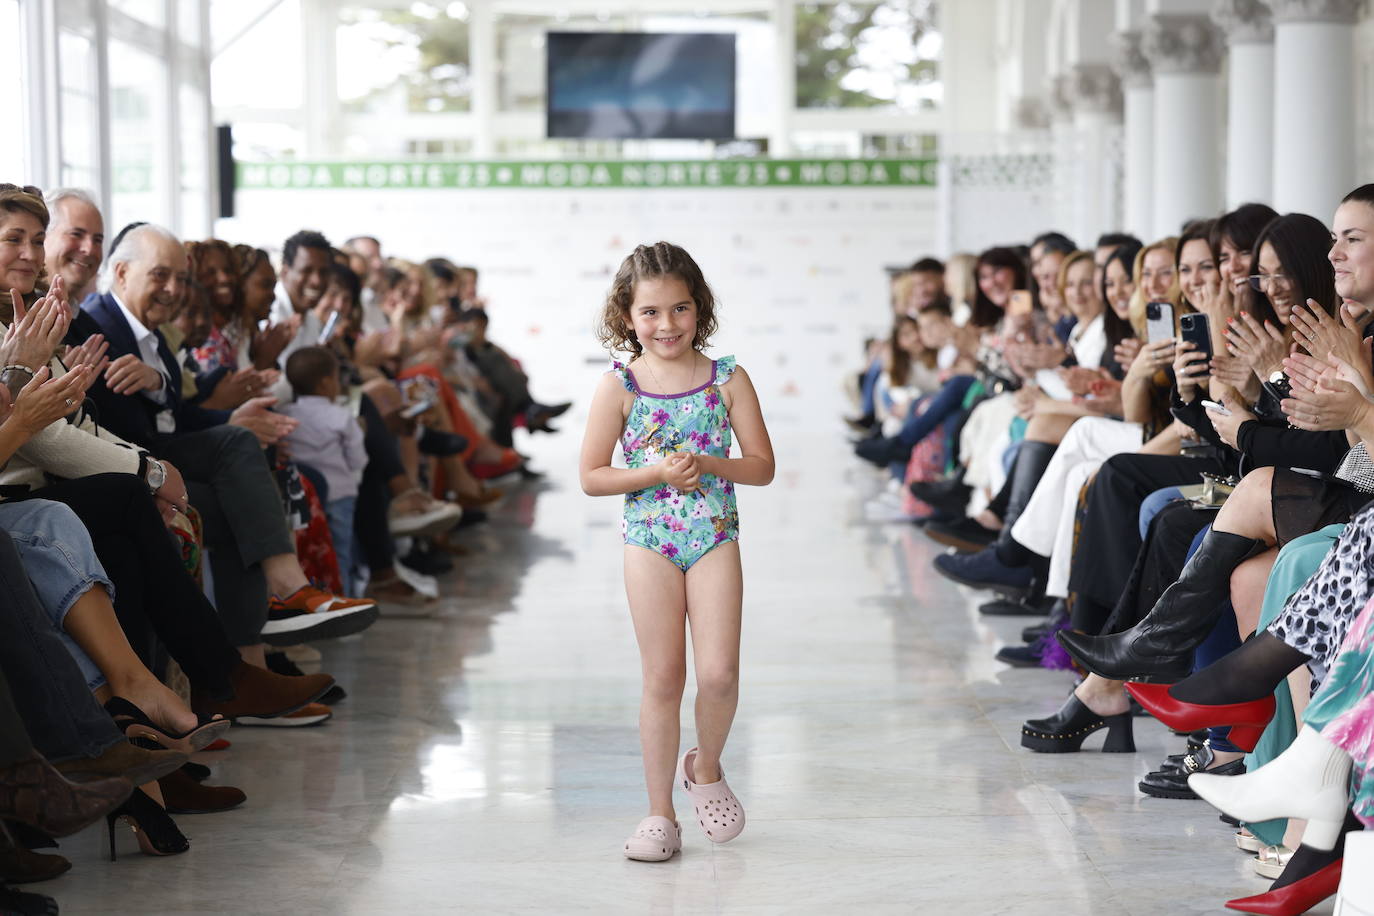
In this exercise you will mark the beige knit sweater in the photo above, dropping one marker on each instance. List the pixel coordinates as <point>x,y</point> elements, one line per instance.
<point>68,450</point>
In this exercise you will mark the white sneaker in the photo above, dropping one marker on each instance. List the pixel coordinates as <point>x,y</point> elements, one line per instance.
<point>425,585</point>
<point>309,714</point>
<point>436,518</point>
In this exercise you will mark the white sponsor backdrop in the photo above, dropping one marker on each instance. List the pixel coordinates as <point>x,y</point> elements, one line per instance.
<point>799,272</point>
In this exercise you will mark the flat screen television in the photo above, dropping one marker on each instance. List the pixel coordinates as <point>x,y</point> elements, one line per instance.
<point>626,85</point>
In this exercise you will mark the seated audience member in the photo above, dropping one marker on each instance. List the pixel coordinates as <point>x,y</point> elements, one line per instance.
<point>507,380</point>
<point>252,553</point>
<point>73,248</point>
<point>328,439</point>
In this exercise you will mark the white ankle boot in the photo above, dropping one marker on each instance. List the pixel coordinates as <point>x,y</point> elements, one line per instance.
<point>1310,780</point>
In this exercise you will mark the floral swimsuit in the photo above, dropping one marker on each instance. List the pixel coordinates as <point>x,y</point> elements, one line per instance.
<point>683,527</point>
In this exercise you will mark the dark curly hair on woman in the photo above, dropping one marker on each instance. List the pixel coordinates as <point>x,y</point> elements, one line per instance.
<point>650,262</point>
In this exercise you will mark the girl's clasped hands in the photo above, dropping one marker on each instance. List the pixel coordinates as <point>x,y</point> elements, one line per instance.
<point>681,471</point>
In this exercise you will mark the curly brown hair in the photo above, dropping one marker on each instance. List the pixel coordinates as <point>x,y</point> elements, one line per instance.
<point>661,259</point>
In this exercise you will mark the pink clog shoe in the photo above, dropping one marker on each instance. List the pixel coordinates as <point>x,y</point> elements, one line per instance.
<point>718,811</point>
<point>656,839</point>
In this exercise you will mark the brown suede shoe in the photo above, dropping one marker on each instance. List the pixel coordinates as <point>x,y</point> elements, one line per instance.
<point>136,764</point>
<point>184,795</point>
<point>22,866</point>
<point>33,792</point>
<point>259,692</point>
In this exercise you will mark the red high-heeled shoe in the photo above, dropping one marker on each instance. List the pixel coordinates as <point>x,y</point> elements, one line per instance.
<point>1295,898</point>
<point>1247,720</point>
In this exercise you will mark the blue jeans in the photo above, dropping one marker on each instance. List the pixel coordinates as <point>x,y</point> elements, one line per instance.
<point>867,403</point>
<point>340,515</point>
<point>1151,506</point>
<point>944,404</point>
<point>59,714</point>
<point>60,562</point>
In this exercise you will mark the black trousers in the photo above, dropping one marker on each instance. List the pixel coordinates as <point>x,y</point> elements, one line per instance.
<point>231,485</point>
<point>14,737</point>
<point>1158,563</point>
<point>42,684</point>
<point>156,599</point>
<point>1110,536</point>
<point>370,524</point>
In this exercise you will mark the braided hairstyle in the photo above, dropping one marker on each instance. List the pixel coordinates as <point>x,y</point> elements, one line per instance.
<point>650,262</point>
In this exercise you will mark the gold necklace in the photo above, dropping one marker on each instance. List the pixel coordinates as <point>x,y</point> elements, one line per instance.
<point>659,385</point>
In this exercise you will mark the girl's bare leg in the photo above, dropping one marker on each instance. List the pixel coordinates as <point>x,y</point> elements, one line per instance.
<point>715,594</point>
<point>658,605</point>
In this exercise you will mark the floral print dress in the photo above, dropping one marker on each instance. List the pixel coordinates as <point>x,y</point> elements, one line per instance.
<point>1343,709</point>
<point>683,527</point>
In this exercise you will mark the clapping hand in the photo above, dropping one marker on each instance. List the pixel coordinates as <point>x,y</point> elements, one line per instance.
<point>267,345</point>
<point>35,333</point>
<point>45,400</point>
<point>1261,347</point>
<point>681,471</point>
<point>1326,338</point>
<point>129,374</point>
<point>92,353</point>
<point>256,417</point>
<point>1323,398</point>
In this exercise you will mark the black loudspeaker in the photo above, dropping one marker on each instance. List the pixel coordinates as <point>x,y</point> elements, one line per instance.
<point>224,169</point>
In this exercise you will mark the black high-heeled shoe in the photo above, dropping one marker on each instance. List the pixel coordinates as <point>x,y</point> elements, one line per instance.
<point>156,831</point>
<point>1065,731</point>
<point>135,723</point>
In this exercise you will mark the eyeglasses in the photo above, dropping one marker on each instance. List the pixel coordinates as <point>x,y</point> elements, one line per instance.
<point>1258,282</point>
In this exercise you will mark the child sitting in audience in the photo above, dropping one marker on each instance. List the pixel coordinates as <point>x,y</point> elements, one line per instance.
<point>329,440</point>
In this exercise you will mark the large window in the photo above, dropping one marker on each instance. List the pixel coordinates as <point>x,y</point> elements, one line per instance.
<point>80,106</point>
<point>868,55</point>
<point>413,59</point>
<point>138,131</point>
<point>13,152</point>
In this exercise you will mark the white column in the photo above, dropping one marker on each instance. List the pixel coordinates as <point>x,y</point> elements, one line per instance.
<point>482,60</point>
<point>1314,96</point>
<point>319,24</point>
<point>785,77</point>
<point>1184,51</point>
<point>1250,111</point>
<point>1138,104</point>
<point>1095,92</point>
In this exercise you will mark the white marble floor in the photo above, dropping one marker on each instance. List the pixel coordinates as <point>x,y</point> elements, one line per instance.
<point>486,761</point>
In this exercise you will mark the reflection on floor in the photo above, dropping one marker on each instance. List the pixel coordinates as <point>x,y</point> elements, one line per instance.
<point>486,761</point>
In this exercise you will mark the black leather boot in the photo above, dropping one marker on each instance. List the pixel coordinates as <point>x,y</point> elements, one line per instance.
<point>1031,460</point>
<point>1162,644</point>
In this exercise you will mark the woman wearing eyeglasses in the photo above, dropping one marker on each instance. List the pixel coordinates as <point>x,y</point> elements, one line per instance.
<point>1284,274</point>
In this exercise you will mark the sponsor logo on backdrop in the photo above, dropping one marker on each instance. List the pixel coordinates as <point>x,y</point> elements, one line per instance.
<point>771,173</point>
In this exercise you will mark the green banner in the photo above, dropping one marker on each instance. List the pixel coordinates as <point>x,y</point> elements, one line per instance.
<point>620,174</point>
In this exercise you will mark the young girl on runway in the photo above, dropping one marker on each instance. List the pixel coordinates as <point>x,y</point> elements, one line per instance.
<point>682,562</point>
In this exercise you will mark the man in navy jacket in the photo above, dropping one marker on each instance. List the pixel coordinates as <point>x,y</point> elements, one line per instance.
<point>252,552</point>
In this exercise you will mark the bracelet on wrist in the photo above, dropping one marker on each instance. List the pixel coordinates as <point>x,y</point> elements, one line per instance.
<point>16,367</point>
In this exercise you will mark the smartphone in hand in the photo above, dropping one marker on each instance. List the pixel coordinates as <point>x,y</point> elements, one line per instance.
<point>1193,328</point>
<point>1159,321</point>
<point>1214,407</point>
